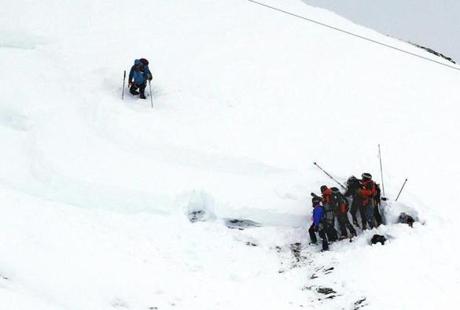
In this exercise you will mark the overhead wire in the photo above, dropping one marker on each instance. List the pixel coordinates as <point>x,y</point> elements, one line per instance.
<point>356,35</point>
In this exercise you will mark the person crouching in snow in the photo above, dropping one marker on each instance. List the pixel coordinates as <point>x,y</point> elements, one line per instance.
<point>317,225</point>
<point>138,76</point>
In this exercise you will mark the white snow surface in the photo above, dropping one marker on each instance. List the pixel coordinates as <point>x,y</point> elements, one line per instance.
<point>95,191</point>
<point>430,23</point>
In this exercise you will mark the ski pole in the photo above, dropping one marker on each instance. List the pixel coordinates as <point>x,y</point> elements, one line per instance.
<point>402,187</point>
<point>381,171</point>
<point>330,176</point>
<point>151,97</point>
<point>123,91</point>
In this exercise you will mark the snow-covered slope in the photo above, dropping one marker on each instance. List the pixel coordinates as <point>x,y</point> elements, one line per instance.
<point>95,191</point>
<point>430,23</point>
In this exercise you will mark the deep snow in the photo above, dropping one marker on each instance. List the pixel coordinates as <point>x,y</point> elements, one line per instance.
<point>95,191</point>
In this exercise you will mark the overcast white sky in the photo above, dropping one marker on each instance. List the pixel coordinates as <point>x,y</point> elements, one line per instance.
<point>431,23</point>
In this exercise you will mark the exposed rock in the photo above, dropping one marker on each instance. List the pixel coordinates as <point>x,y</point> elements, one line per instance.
<point>429,50</point>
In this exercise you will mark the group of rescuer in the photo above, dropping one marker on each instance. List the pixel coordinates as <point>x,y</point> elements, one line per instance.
<point>332,207</point>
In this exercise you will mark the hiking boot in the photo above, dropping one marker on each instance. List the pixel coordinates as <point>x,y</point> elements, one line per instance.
<point>133,91</point>
<point>142,96</point>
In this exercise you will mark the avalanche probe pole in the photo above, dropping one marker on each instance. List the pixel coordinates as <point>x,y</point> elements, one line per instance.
<point>402,187</point>
<point>123,91</point>
<point>151,97</point>
<point>325,172</point>
<point>381,171</point>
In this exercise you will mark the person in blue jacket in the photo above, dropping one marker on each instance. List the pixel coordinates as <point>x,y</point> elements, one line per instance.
<point>138,76</point>
<point>317,225</point>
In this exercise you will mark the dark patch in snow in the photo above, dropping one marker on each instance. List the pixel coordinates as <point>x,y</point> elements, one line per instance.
<point>322,270</point>
<point>296,248</point>
<point>240,224</point>
<point>199,206</point>
<point>299,259</point>
<point>360,304</point>
<point>153,308</point>
<point>196,215</point>
<point>292,256</point>
<point>248,243</point>
<point>325,290</point>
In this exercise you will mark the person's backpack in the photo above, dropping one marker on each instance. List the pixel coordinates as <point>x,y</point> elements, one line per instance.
<point>141,64</point>
<point>340,203</point>
<point>343,204</point>
<point>328,217</point>
<point>367,192</point>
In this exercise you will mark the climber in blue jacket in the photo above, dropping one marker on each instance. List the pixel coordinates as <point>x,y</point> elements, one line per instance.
<point>138,76</point>
<point>317,225</point>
